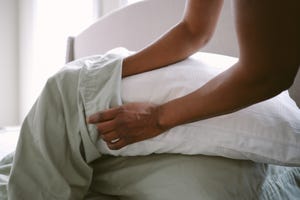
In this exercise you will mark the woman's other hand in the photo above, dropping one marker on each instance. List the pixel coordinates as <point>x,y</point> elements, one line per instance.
<point>127,124</point>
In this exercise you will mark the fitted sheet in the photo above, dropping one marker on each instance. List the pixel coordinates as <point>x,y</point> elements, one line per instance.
<point>172,176</point>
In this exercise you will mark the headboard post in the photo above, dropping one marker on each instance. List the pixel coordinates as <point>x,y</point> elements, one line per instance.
<point>70,49</point>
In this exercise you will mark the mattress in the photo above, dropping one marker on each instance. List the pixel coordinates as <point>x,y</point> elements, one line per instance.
<point>8,140</point>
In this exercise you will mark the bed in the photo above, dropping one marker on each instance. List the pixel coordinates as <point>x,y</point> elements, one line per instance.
<point>167,176</point>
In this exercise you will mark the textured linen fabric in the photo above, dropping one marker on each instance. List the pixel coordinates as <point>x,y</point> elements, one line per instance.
<point>55,145</point>
<point>173,176</point>
<point>267,132</point>
<point>193,177</point>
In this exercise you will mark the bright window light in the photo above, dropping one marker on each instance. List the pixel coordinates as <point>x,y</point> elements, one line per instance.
<point>53,22</point>
<point>56,20</point>
<point>132,1</point>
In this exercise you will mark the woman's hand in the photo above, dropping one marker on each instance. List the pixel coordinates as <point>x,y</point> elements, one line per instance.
<point>127,124</point>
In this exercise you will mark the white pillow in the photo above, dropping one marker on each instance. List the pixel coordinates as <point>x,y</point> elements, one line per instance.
<point>267,132</point>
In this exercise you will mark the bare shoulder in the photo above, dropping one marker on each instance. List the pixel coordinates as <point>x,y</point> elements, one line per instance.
<point>269,34</point>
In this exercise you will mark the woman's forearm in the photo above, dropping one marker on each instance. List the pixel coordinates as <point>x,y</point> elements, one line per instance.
<point>189,35</point>
<point>166,50</point>
<point>232,90</point>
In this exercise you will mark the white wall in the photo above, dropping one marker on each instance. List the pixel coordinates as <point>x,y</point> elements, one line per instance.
<point>44,28</point>
<point>27,12</point>
<point>22,73</point>
<point>9,62</point>
<point>224,40</point>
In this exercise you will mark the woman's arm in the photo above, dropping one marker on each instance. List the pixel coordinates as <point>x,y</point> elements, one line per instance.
<point>268,35</point>
<point>190,34</point>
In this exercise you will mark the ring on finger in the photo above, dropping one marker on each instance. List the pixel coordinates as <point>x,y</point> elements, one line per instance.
<point>114,140</point>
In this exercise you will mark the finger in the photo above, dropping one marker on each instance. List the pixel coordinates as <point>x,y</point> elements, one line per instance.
<point>106,127</point>
<point>110,137</point>
<point>103,115</point>
<point>117,145</point>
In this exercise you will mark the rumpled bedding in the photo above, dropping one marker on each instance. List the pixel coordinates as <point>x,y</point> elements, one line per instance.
<point>55,144</point>
<point>57,155</point>
<point>173,176</point>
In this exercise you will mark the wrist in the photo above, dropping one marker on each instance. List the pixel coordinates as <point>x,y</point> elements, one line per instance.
<point>164,121</point>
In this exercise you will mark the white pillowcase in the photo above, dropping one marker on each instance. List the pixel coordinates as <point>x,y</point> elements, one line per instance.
<point>267,132</point>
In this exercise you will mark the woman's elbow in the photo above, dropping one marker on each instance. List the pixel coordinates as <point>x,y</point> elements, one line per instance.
<point>267,83</point>
<point>277,83</point>
<point>287,82</point>
<point>198,37</point>
<point>285,78</point>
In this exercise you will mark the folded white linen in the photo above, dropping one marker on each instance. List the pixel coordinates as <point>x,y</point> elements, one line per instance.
<point>267,132</point>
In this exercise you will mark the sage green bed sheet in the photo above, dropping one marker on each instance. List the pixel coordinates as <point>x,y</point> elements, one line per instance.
<point>169,177</point>
<point>182,177</point>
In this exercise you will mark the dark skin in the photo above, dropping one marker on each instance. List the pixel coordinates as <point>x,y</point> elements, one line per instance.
<point>269,42</point>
